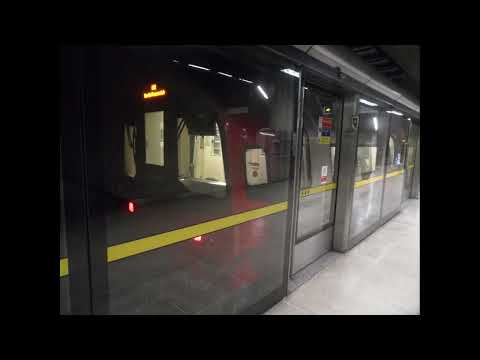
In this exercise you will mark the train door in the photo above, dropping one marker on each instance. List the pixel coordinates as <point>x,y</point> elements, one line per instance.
<point>317,177</point>
<point>369,169</point>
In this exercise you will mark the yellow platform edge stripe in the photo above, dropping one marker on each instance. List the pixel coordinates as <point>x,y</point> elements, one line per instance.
<point>135,247</point>
<point>120,251</point>
<point>367,181</point>
<point>317,189</point>
<point>63,267</point>
<point>395,173</point>
<point>377,178</point>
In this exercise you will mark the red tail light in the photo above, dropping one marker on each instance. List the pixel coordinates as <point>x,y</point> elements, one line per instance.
<point>131,207</point>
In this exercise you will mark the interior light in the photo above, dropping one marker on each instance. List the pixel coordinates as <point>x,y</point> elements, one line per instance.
<point>394,112</point>
<point>245,80</point>
<point>175,61</point>
<point>375,123</point>
<point>305,88</point>
<point>131,207</point>
<point>153,87</point>
<point>369,103</point>
<point>409,119</point>
<point>224,74</point>
<point>262,92</point>
<point>198,67</point>
<point>197,238</point>
<point>291,72</point>
<point>265,133</point>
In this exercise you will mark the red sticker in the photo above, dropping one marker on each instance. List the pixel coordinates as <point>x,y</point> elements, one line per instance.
<point>326,122</point>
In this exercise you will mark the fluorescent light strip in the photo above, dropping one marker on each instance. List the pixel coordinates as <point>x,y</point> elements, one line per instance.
<point>244,80</point>
<point>198,67</point>
<point>176,61</point>
<point>266,134</point>
<point>224,74</point>
<point>375,123</point>
<point>291,72</point>
<point>369,103</point>
<point>394,112</point>
<point>262,91</point>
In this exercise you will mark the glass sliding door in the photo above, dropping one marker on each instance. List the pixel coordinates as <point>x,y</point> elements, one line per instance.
<point>192,161</point>
<point>369,169</point>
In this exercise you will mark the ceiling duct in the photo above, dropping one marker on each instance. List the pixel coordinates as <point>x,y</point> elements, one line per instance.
<point>340,57</point>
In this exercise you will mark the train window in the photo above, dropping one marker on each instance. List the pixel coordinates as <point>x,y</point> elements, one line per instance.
<point>256,167</point>
<point>200,160</point>
<point>154,141</point>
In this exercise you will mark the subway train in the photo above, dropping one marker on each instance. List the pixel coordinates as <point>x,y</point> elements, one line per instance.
<point>199,179</point>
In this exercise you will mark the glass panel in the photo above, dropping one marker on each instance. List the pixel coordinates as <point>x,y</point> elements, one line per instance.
<point>320,117</point>
<point>395,178</point>
<point>411,155</point>
<point>64,279</point>
<point>369,168</point>
<point>412,145</point>
<point>184,168</point>
<point>397,143</point>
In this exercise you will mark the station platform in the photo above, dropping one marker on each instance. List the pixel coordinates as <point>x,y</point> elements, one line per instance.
<point>380,276</point>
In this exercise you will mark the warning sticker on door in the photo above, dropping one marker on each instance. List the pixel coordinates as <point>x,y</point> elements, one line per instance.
<point>325,137</point>
<point>324,128</point>
<point>323,177</point>
<point>326,122</point>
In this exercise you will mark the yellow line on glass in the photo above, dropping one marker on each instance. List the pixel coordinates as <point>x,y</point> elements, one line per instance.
<point>135,247</point>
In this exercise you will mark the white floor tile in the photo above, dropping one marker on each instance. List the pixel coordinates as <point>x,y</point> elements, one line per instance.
<point>380,276</point>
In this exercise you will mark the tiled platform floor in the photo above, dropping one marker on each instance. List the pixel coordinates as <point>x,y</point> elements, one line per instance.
<point>381,275</point>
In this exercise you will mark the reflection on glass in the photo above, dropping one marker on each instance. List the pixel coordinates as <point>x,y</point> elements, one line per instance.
<point>395,178</point>
<point>369,168</point>
<point>200,157</point>
<point>190,158</point>
<point>397,143</point>
<point>129,151</point>
<point>64,280</point>
<point>318,161</point>
<point>256,167</point>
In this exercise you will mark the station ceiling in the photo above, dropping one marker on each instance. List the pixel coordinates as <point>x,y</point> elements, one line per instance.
<point>399,63</point>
